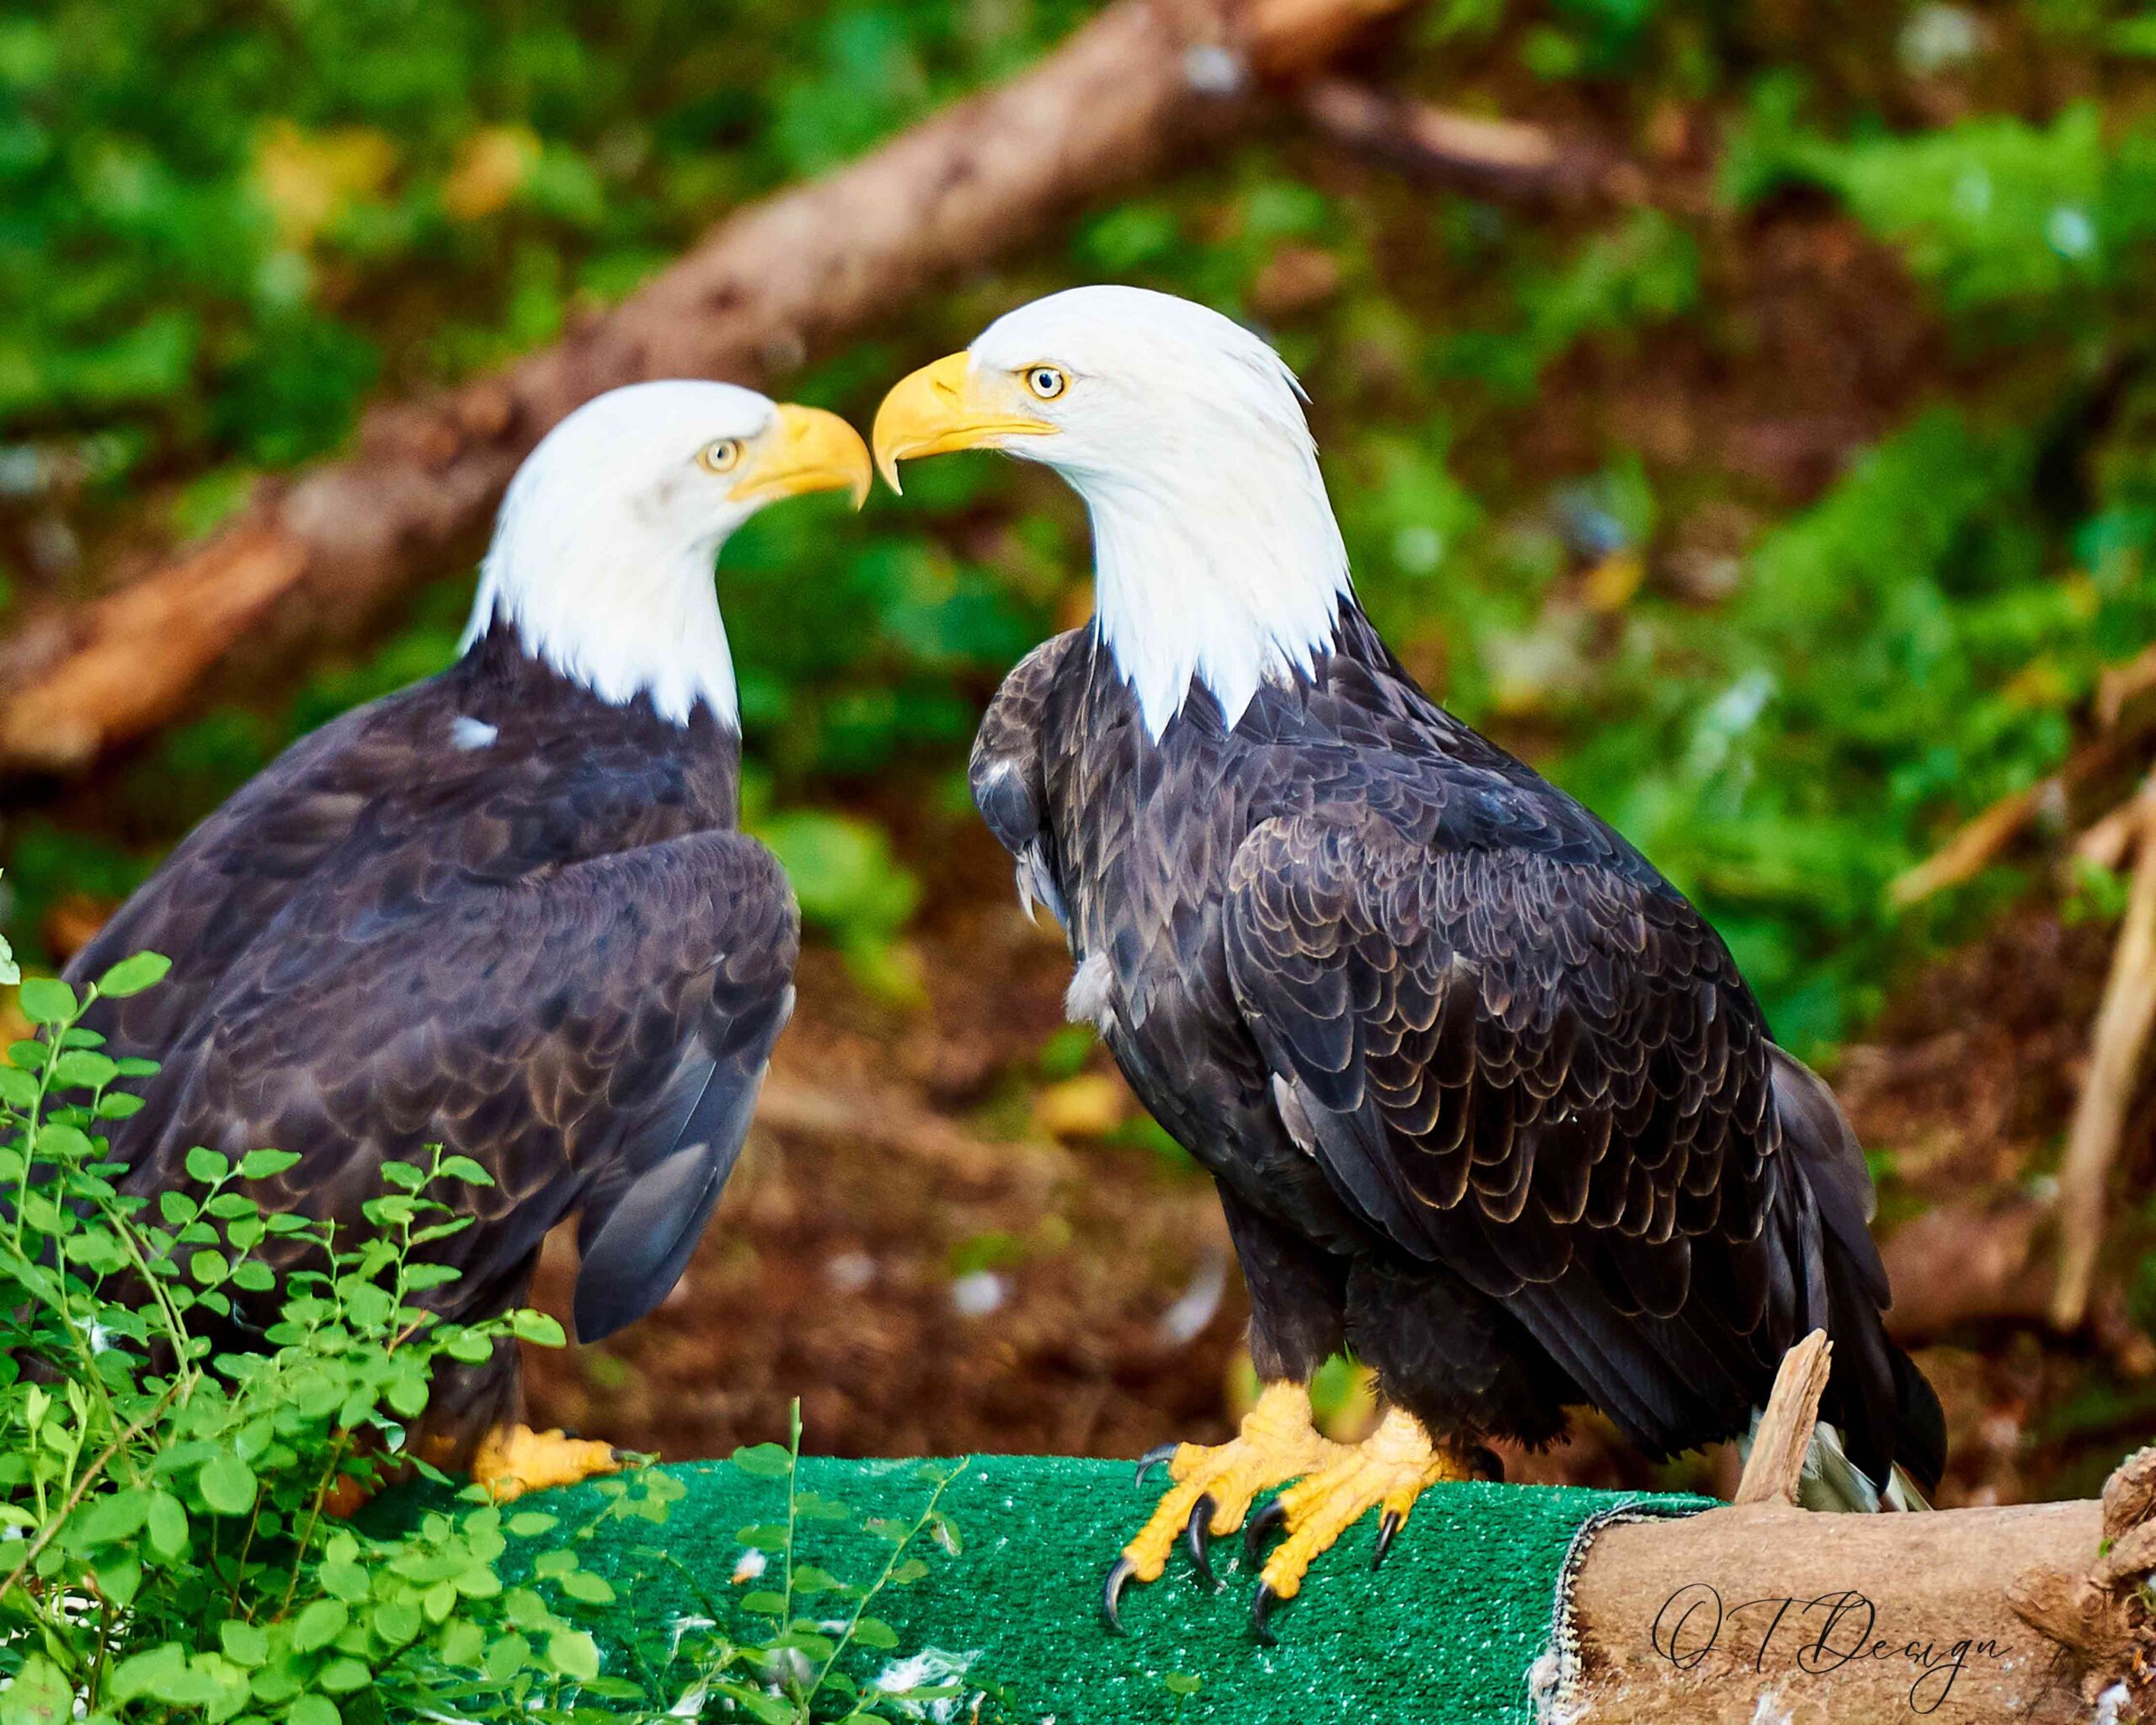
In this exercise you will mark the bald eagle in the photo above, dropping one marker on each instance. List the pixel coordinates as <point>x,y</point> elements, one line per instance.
<point>1486,1100</point>
<point>507,911</point>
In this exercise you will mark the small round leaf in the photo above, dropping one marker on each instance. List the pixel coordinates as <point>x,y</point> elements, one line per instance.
<point>227,1484</point>
<point>131,975</point>
<point>47,1000</point>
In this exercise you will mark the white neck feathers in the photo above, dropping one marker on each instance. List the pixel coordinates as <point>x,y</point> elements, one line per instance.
<point>1227,570</point>
<point>619,612</point>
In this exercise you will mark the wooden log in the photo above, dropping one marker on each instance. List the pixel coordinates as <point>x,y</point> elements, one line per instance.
<point>1768,1613</point>
<point>321,556</point>
<point>2035,1613</point>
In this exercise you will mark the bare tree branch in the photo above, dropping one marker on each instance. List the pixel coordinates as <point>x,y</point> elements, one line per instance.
<point>1469,153</point>
<point>2116,1048</point>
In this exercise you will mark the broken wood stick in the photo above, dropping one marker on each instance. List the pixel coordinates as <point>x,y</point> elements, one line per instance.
<point>320,556</point>
<point>2117,1045</point>
<point>1775,1465</point>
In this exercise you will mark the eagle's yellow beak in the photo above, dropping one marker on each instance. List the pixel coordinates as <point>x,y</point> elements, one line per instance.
<point>808,450</point>
<point>944,406</point>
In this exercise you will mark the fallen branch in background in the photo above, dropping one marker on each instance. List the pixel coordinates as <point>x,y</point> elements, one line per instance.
<point>322,555</point>
<point>1467,152</point>
<point>2116,1049</point>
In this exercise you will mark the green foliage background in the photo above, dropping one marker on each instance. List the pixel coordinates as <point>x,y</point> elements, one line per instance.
<point>221,227</point>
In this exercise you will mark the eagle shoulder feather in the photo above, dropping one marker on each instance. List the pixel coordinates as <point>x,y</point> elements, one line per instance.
<point>1005,772</point>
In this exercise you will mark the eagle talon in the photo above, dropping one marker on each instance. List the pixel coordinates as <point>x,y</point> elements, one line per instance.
<point>1159,1456</point>
<point>1389,1526</point>
<point>1260,1608</point>
<point>1196,1534</point>
<point>1262,1527</point>
<point>1119,1574</point>
<point>1387,1473</point>
<point>1212,1487</point>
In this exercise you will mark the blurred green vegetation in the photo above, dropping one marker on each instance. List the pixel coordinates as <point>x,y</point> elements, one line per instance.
<point>1909,242</point>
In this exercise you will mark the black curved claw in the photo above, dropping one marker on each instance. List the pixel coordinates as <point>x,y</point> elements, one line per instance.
<point>1260,1608</point>
<point>1196,1533</point>
<point>1261,1527</point>
<point>1119,1574</point>
<point>1389,1526</point>
<point>1154,1458</point>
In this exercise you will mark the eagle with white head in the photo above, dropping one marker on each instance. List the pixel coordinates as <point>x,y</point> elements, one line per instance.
<point>1486,1100</point>
<point>507,911</point>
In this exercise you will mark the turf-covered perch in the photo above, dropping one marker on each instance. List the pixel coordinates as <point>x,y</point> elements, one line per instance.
<point>1493,1606</point>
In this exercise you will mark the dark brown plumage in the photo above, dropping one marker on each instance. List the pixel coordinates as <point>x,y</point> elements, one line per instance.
<point>1486,1097</point>
<point>494,912</point>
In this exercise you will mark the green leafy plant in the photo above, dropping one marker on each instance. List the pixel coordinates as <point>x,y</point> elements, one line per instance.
<point>807,1653</point>
<point>176,1541</point>
<point>793,1648</point>
<point>173,1548</point>
<point>851,887</point>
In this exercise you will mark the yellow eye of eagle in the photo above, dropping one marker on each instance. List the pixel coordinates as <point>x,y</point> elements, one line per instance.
<point>721,456</point>
<point>1047,381</point>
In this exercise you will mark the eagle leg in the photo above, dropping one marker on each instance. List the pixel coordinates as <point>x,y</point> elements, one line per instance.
<point>512,1460</point>
<point>1388,1470</point>
<point>1212,1487</point>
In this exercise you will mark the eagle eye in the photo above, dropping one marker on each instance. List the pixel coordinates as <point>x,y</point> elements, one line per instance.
<point>1047,381</point>
<point>721,456</point>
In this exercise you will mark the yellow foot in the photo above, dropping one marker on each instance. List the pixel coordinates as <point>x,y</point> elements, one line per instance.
<point>1389,1469</point>
<point>1214,1487</point>
<point>512,1460</point>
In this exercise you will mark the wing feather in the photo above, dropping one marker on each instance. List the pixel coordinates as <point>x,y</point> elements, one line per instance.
<point>595,1038</point>
<point>1540,1071</point>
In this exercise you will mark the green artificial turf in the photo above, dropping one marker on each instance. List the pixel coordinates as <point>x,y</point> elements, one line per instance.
<point>1444,1632</point>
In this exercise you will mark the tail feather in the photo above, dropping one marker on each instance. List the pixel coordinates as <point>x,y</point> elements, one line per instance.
<point>1830,1480</point>
<point>1884,1436</point>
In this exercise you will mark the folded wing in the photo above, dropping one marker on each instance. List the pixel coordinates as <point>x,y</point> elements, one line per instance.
<point>1545,1073</point>
<point>594,1037</point>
